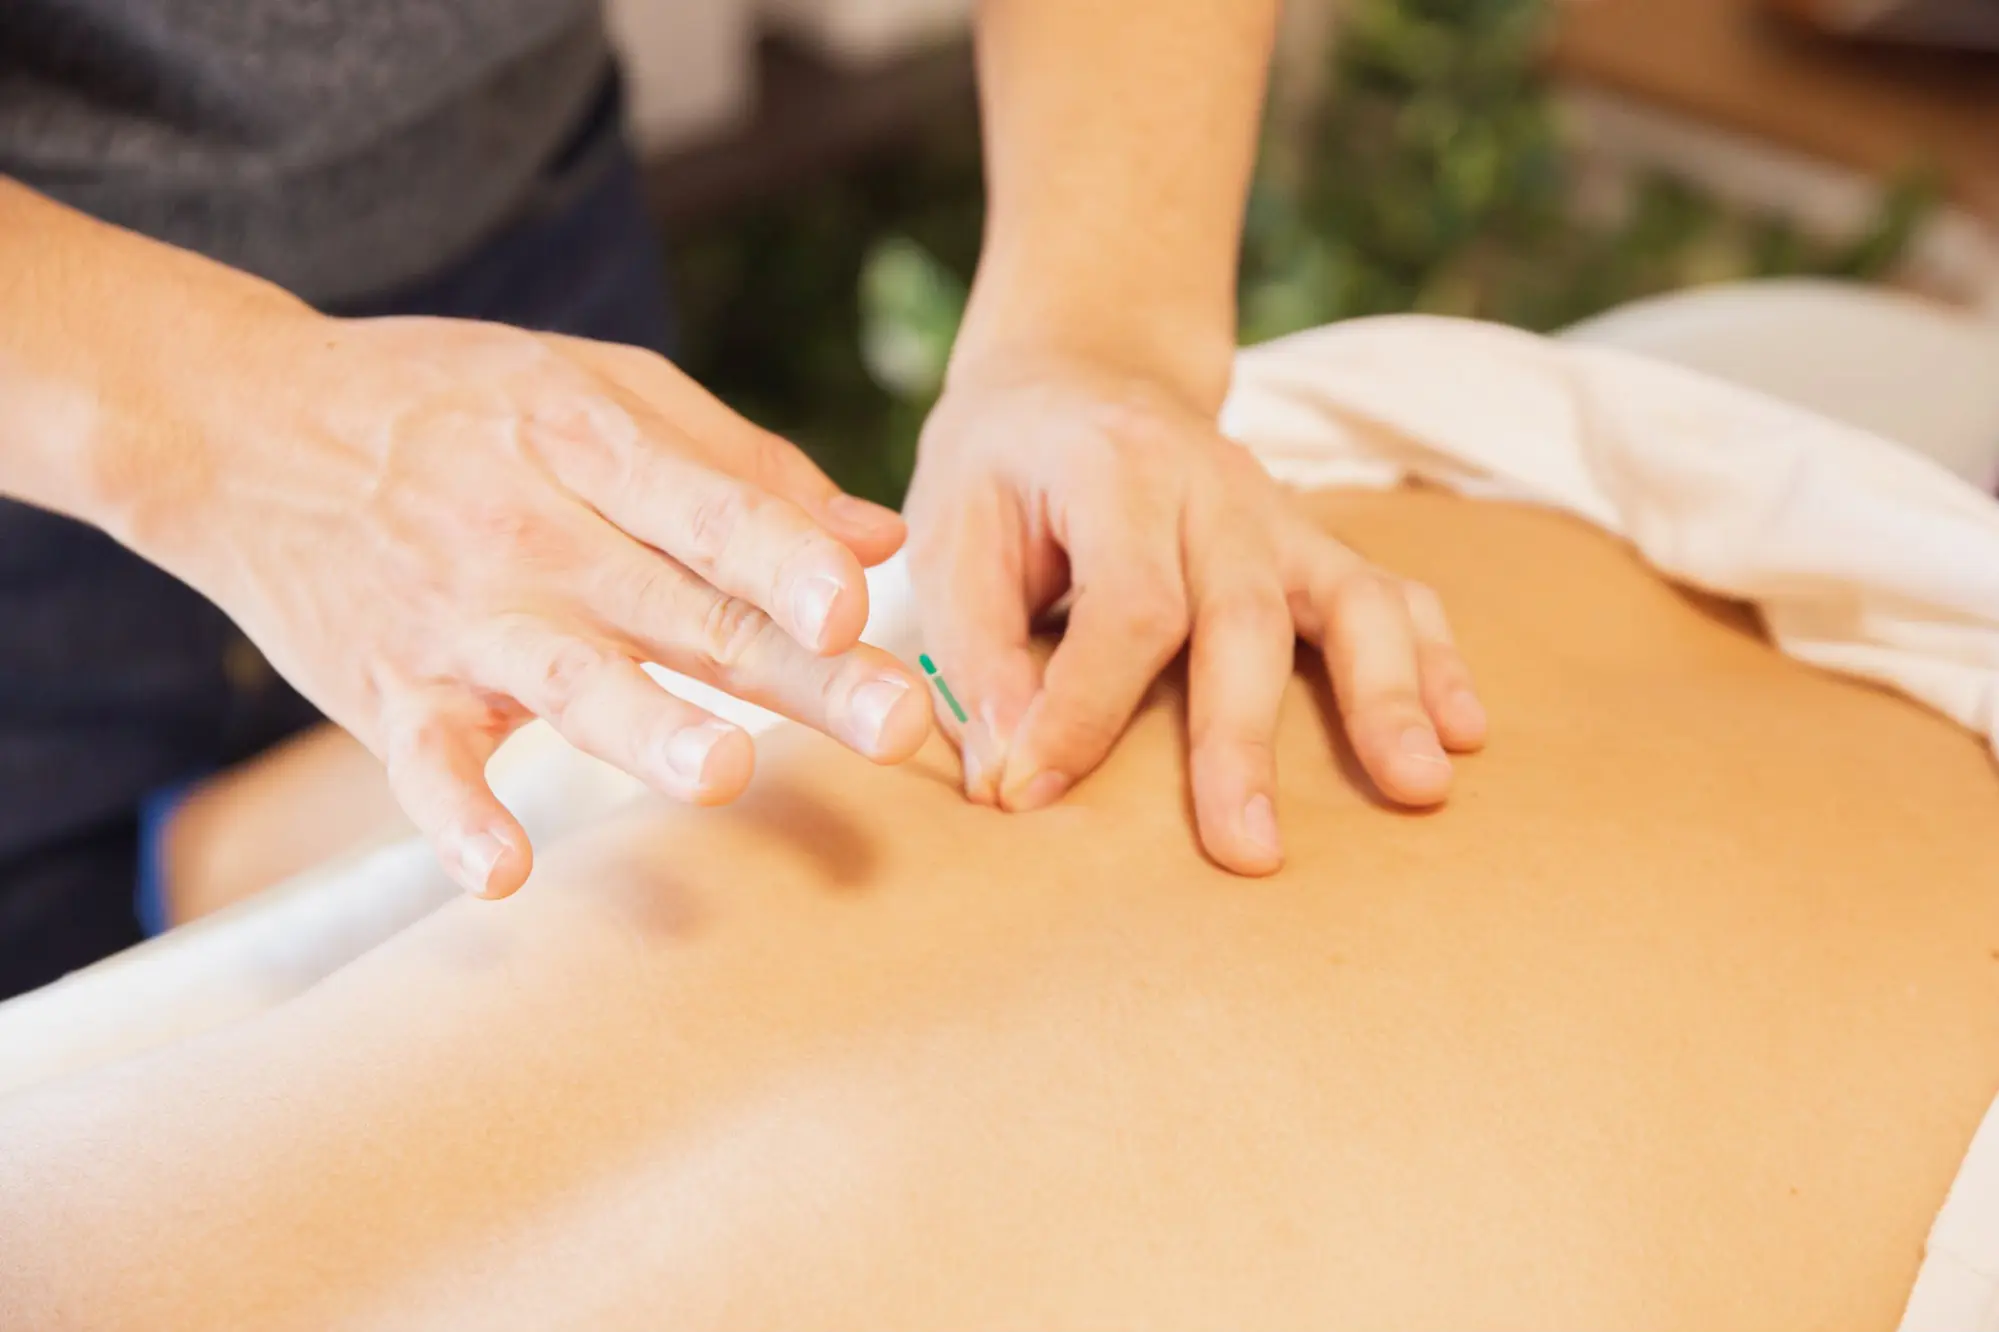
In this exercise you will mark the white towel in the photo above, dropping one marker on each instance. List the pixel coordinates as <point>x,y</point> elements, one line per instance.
<point>1861,556</point>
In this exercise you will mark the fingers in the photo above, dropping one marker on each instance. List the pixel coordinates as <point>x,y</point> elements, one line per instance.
<point>1447,684</point>
<point>1376,658</point>
<point>604,704</point>
<point>662,393</point>
<point>872,532</point>
<point>435,750</point>
<point>1240,661</point>
<point>748,544</point>
<point>758,600</point>
<point>864,697</point>
<point>1128,620</point>
<point>971,600</point>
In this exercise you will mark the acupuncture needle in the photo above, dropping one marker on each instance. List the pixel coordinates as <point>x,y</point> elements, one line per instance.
<point>930,670</point>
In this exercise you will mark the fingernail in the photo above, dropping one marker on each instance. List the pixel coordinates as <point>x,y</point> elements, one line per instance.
<point>811,603</point>
<point>1467,714</point>
<point>853,511</point>
<point>1042,790</point>
<point>477,854</point>
<point>868,708</point>
<point>686,751</point>
<point>1421,743</point>
<point>1259,825</point>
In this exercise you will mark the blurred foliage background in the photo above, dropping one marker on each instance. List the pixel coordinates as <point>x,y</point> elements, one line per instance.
<point>1432,174</point>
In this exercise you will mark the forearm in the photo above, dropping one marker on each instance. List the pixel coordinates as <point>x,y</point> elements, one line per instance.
<point>95,326</point>
<point>1119,143</point>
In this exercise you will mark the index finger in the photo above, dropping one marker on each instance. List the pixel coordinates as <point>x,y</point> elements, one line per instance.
<point>1128,620</point>
<point>657,390</point>
<point>745,542</point>
<point>1240,662</point>
<point>1370,650</point>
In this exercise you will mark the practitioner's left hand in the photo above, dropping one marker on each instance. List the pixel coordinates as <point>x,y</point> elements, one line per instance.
<point>1037,478</point>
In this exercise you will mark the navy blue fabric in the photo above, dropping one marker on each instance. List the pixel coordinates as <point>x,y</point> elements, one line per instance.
<point>149,888</point>
<point>116,680</point>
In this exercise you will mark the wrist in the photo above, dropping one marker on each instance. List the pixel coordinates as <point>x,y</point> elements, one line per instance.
<point>106,340</point>
<point>1192,371</point>
<point>1010,329</point>
<point>172,404</point>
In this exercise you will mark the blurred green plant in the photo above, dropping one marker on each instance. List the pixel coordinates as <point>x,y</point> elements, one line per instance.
<point>771,299</point>
<point>1434,175</point>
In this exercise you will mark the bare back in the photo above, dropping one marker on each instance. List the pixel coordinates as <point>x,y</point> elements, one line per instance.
<point>1681,1012</point>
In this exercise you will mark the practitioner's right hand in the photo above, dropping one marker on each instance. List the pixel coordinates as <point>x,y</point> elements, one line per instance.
<point>438,530</point>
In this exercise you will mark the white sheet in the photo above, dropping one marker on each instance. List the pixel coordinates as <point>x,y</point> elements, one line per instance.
<point>1862,557</point>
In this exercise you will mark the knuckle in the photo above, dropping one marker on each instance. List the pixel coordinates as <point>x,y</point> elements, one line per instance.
<point>774,463</point>
<point>1424,601</point>
<point>1253,611</point>
<point>1360,590</point>
<point>732,631</point>
<point>650,593</point>
<point>1132,423</point>
<point>1426,613</point>
<point>712,524</point>
<point>621,357</point>
<point>1129,443</point>
<point>565,677</point>
<point>1154,613</point>
<point>800,553</point>
<point>419,744</point>
<point>523,537</point>
<point>834,682</point>
<point>1442,667</point>
<point>652,378</point>
<point>1224,740</point>
<point>1388,708</point>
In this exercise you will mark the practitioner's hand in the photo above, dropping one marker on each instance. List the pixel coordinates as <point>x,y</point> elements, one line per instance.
<point>440,529</point>
<point>1060,476</point>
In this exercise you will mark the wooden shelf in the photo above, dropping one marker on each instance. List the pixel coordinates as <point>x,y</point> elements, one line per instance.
<point>1737,66</point>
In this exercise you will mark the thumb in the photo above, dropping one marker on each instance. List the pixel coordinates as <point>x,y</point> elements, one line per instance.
<point>972,603</point>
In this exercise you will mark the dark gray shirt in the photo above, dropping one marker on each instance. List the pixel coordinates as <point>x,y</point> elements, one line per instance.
<point>338,147</point>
